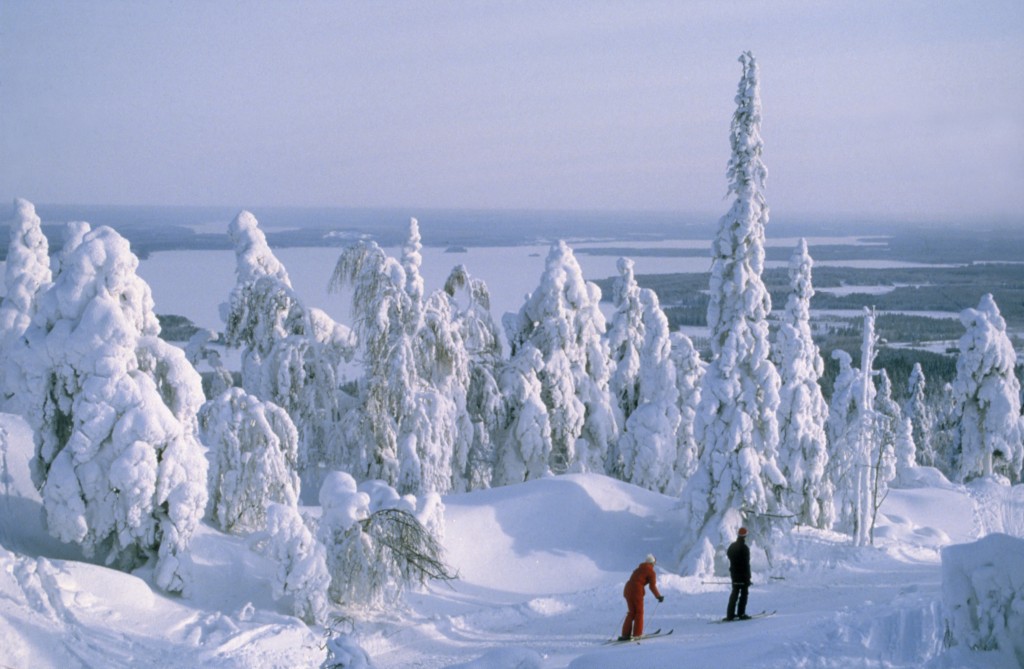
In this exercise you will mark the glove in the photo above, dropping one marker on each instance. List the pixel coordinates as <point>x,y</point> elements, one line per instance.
<point>661,599</point>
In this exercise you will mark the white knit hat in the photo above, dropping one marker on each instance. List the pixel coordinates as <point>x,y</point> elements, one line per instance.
<point>650,558</point>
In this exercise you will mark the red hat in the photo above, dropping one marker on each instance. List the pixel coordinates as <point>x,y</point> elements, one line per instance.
<point>742,532</point>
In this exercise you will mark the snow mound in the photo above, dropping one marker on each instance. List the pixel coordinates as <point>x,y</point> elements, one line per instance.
<point>983,595</point>
<point>556,534</point>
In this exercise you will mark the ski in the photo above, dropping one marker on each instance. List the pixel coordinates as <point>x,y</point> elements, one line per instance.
<point>763,614</point>
<point>638,639</point>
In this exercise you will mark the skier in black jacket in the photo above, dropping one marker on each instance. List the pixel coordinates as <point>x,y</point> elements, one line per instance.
<point>739,571</point>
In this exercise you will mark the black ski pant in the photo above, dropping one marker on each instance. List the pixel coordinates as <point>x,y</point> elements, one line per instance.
<point>737,600</point>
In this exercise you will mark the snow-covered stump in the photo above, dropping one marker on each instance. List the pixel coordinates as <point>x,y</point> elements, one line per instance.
<point>983,597</point>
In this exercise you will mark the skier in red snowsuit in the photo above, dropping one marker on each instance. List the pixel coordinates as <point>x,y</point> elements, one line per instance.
<point>642,576</point>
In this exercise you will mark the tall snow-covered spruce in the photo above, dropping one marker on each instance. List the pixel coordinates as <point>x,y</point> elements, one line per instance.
<point>803,447</point>
<point>737,481</point>
<point>117,461</point>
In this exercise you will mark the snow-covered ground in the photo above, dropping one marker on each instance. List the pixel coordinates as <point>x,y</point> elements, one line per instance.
<point>541,567</point>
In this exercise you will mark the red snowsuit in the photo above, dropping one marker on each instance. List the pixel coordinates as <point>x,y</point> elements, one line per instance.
<point>634,594</point>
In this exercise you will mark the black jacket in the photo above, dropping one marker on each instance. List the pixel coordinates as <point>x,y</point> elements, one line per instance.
<point>739,561</point>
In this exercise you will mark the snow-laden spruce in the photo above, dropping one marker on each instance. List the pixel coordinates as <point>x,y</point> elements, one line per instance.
<point>803,446</point>
<point>562,320</point>
<point>893,430</point>
<point>737,481</point>
<point>409,425</point>
<point>27,273</point>
<point>843,427</point>
<point>253,456</point>
<point>689,378</point>
<point>987,396</point>
<point>648,442</point>
<point>863,435</point>
<point>472,319</point>
<point>117,460</point>
<point>290,354</point>
<point>524,430</point>
<point>922,418</point>
<point>625,339</point>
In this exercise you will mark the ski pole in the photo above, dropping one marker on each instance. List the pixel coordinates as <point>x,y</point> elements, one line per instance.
<point>651,617</point>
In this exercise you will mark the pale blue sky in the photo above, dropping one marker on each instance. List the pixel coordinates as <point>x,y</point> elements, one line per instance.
<point>902,108</point>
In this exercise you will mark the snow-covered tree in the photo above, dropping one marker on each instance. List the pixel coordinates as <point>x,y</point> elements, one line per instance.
<point>689,377</point>
<point>737,481</point>
<point>117,461</point>
<point>625,339</point>
<point>892,453</point>
<point>895,448</point>
<point>562,320</point>
<point>803,446</point>
<point>843,428</point>
<point>471,308</point>
<point>945,437</point>
<point>862,462</point>
<point>648,442</point>
<point>411,427</point>
<point>290,354</point>
<point>301,574</point>
<point>922,418</point>
<point>524,431</point>
<point>27,274</point>
<point>200,351</point>
<point>253,454</point>
<point>374,429</point>
<point>987,394</point>
<point>445,430</point>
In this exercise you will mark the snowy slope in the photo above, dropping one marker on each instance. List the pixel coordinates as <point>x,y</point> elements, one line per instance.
<point>541,571</point>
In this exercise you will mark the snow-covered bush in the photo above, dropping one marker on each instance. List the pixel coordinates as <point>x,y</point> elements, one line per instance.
<point>983,595</point>
<point>253,453</point>
<point>344,653</point>
<point>301,566</point>
<point>117,461</point>
<point>378,542</point>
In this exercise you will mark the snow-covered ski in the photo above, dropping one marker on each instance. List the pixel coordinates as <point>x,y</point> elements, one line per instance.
<point>763,614</point>
<point>638,639</point>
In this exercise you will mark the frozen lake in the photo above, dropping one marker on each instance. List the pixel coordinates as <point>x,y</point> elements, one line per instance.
<point>193,283</point>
